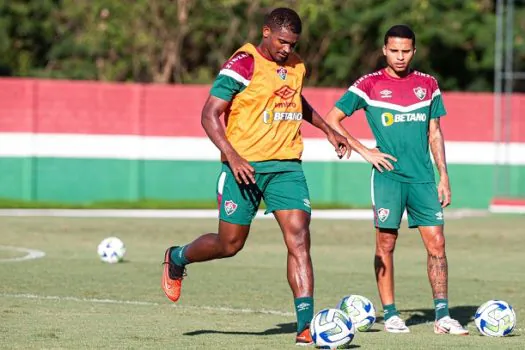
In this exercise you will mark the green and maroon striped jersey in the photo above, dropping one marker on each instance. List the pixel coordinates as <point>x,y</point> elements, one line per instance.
<point>398,112</point>
<point>234,76</point>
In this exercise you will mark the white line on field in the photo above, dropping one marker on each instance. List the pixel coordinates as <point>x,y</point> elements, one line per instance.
<point>143,303</point>
<point>31,254</point>
<point>332,214</point>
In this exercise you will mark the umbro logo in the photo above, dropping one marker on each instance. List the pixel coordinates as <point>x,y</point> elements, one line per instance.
<point>285,92</point>
<point>385,93</point>
<point>303,306</point>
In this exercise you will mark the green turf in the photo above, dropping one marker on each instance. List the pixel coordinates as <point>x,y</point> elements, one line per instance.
<point>58,301</point>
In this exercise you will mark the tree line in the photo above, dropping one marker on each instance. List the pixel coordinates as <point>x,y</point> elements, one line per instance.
<point>187,41</point>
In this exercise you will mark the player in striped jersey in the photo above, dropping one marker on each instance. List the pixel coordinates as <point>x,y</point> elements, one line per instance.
<point>403,108</point>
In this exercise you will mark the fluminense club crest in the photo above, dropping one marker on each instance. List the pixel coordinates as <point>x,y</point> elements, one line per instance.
<point>230,207</point>
<point>282,72</point>
<point>420,92</point>
<point>382,214</point>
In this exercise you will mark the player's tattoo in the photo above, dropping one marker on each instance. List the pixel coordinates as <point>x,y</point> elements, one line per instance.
<point>438,275</point>
<point>437,146</point>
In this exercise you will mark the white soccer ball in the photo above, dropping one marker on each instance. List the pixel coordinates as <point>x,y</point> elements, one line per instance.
<point>360,310</point>
<point>111,250</point>
<point>331,329</point>
<point>495,318</point>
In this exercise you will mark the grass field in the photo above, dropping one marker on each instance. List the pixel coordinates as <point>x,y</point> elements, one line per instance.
<point>70,300</point>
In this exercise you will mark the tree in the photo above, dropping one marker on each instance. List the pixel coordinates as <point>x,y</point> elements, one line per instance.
<point>187,41</point>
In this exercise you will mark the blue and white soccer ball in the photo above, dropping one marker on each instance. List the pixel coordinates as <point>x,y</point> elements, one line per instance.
<point>495,318</point>
<point>111,250</point>
<point>331,329</point>
<point>360,310</point>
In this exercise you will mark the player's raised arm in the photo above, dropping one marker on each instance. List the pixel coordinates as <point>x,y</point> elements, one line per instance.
<point>437,146</point>
<point>378,159</point>
<point>210,120</point>
<point>338,141</point>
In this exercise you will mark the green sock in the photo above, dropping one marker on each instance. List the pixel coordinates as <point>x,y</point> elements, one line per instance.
<point>441,306</point>
<point>304,308</point>
<point>177,256</point>
<point>390,310</point>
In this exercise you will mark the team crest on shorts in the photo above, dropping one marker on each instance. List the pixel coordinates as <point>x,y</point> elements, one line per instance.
<point>230,207</point>
<point>382,214</point>
<point>420,92</point>
<point>282,72</point>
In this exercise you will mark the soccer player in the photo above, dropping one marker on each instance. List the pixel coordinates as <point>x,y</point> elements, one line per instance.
<point>259,89</point>
<point>403,108</point>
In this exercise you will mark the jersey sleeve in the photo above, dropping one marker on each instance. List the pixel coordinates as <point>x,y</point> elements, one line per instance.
<point>437,107</point>
<point>234,77</point>
<point>351,101</point>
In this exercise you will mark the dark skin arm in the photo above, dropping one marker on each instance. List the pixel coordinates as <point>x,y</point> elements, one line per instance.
<point>339,142</point>
<point>437,146</point>
<point>210,120</point>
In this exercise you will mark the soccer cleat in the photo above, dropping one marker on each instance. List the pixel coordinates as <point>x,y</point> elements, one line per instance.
<point>447,325</point>
<point>172,277</point>
<point>396,325</point>
<point>304,338</point>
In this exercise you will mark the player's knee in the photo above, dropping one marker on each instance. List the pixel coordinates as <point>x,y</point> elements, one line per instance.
<point>230,249</point>
<point>436,246</point>
<point>298,241</point>
<point>385,246</point>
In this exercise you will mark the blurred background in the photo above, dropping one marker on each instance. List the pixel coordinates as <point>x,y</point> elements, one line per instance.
<point>100,101</point>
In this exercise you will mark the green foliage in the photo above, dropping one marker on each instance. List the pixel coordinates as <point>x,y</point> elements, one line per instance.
<point>187,41</point>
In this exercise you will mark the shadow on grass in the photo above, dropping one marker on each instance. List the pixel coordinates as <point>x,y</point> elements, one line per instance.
<point>464,315</point>
<point>282,328</point>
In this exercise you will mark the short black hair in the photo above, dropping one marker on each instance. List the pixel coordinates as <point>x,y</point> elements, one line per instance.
<point>284,18</point>
<point>401,31</point>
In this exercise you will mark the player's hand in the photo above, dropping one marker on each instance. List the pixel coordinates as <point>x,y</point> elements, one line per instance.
<point>241,169</point>
<point>444,192</point>
<point>380,161</point>
<point>340,143</point>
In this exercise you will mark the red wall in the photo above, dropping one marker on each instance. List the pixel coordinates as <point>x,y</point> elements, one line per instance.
<point>46,106</point>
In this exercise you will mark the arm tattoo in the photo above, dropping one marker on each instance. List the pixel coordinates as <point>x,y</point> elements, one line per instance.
<point>437,146</point>
<point>437,268</point>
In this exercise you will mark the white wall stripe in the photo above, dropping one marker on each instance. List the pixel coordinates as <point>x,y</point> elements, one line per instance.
<point>233,74</point>
<point>201,148</point>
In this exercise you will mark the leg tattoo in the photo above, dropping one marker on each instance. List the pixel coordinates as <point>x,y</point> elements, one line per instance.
<point>437,268</point>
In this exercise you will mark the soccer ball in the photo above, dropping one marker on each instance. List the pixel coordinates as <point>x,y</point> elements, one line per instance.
<point>360,310</point>
<point>331,329</point>
<point>111,250</point>
<point>495,318</point>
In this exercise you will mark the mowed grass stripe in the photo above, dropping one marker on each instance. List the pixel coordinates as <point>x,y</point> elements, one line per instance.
<point>143,303</point>
<point>221,303</point>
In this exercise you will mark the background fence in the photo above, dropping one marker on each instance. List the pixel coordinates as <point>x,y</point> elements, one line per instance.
<point>82,142</point>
